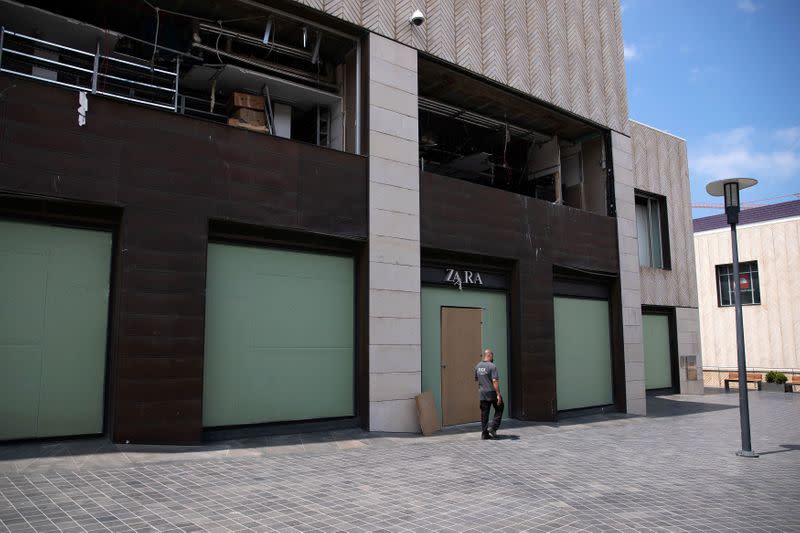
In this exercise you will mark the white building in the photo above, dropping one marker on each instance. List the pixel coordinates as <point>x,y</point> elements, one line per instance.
<point>769,252</point>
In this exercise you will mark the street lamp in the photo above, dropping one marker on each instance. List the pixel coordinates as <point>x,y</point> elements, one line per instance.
<point>730,190</point>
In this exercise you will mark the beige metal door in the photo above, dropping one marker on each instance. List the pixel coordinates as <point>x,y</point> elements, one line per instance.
<point>461,351</point>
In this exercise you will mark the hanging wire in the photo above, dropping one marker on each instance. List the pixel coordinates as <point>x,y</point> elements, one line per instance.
<point>177,13</point>
<point>216,43</point>
<point>209,21</point>
<point>186,15</point>
<point>155,41</point>
<point>245,19</point>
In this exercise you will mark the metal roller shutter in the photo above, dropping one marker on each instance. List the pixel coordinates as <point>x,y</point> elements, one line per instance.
<point>583,353</point>
<point>54,283</point>
<point>280,337</point>
<point>657,368</point>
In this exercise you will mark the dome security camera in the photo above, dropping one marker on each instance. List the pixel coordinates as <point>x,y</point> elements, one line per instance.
<point>417,18</point>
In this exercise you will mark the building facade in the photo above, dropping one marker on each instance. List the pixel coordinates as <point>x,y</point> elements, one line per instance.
<point>671,335</point>
<point>768,250</point>
<point>243,213</point>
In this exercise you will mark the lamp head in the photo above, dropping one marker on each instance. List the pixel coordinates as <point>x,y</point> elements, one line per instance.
<point>729,188</point>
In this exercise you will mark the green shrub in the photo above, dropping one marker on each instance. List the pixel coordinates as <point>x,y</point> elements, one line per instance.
<point>776,377</point>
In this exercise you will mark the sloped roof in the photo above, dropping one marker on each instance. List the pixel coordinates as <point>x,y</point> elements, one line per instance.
<point>750,216</point>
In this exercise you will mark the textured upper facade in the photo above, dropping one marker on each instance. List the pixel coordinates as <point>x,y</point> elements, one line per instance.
<point>660,166</point>
<point>566,52</point>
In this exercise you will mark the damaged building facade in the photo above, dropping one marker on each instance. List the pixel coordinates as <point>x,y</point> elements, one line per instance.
<point>219,217</point>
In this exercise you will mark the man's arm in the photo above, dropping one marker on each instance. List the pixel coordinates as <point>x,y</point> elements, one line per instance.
<point>496,385</point>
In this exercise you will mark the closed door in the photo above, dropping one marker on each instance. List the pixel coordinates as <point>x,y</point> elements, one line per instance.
<point>54,289</point>
<point>657,360</point>
<point>461,351</point>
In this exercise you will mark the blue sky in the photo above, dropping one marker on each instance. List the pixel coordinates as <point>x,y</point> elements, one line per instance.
<point>725,76</point>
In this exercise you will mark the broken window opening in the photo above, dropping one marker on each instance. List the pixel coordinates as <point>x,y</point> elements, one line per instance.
<point>463,144</point>
<point>475,130</point>
<point>243,64</point>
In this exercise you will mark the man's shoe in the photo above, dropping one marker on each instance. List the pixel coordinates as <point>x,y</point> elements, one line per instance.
<point>493,433</point>
<point>485,436</point>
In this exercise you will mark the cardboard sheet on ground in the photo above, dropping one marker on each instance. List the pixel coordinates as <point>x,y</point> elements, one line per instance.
<point>429,421</point>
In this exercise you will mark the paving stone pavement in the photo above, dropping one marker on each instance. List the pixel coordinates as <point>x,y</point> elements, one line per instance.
<point>674,470</point>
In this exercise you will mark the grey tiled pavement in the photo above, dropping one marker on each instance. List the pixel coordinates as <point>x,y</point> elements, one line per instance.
<point>674,470</point>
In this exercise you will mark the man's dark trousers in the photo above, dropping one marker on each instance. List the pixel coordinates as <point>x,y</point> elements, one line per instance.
<point>498,414</point>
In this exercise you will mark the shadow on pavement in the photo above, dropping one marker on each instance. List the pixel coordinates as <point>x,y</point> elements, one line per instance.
<point>786,448</point>
<point>94,451</point>
<point>506,437</point>
<point>661,407</point>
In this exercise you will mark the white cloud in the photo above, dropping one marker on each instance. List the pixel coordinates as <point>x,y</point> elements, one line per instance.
<point>747,6</point>
<point>631,52</point>
<point>735,153</point>
<point>788,137</point>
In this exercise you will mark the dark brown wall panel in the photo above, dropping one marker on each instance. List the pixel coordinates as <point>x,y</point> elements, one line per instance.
<point>464,218</point>
<point>170,176</point>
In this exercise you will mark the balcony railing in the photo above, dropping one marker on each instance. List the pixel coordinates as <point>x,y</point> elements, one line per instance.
<point>113,75</point>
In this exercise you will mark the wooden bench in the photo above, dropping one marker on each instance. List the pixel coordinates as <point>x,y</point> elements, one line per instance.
<point>751,378</point>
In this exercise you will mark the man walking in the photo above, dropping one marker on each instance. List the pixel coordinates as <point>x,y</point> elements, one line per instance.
<point>489,387</point>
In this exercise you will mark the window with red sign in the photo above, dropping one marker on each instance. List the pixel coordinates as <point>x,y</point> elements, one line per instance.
<point>748,284</point>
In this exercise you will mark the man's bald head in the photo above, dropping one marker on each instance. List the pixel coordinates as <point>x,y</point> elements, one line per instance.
<point>488,355</point>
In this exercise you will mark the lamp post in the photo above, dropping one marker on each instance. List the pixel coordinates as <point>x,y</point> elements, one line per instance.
<point>730,188</point>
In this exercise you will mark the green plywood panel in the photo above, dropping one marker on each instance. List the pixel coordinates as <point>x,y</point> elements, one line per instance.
<point>23,275</point>
<point>53,324</point>
<point>20,371</point>
<point>495,334</point>
<point>657,367</point>
<point>583,353</point>
<point>77,315</point>
<point>279,336</point>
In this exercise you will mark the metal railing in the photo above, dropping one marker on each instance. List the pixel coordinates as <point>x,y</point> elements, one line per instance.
<point>116,76</point>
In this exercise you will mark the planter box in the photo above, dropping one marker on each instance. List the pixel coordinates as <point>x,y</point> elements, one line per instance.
<point>772,387</point>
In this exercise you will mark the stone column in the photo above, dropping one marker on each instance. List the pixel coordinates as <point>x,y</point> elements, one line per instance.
<point>688,326</point>
<point>395,357</point>
<point>622,156</point>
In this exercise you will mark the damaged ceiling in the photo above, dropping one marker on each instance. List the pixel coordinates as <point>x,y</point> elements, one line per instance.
<point>462,90</point>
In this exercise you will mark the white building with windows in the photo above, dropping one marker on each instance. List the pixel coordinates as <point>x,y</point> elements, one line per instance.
<point>768,253</point>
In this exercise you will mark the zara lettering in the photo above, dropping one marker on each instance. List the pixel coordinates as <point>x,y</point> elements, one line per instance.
<point>463,277</point>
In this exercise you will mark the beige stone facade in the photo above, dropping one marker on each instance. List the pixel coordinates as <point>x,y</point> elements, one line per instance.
<point>771,328</point>
<point>660,167</point>
<point>394,257</point>
<point>622,150</point>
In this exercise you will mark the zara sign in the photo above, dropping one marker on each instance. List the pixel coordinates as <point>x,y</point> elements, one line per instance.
<point>459,278</point>
<point>463,278</point>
